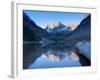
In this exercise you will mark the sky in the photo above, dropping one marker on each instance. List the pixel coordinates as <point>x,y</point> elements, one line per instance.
<point>42,18</point>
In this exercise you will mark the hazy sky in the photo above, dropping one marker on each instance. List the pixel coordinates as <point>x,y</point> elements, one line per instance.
<point>42,18</point>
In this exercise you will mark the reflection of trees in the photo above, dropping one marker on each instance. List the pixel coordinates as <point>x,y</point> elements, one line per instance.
<point>55,52</point>
<point>84,61</point>
<point>30,53</point>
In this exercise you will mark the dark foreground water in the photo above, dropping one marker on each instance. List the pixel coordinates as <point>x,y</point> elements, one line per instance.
<point>38,56</point>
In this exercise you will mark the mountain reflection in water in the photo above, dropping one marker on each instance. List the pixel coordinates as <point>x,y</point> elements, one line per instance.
<point>52,56</point>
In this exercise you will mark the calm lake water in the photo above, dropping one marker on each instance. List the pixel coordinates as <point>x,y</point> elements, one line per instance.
<point>38,56</point>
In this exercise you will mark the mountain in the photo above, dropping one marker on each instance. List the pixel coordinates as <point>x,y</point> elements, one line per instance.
<point>71,26</point>
<point>31,31</point>
<point>55,27</point>
<point>83,31</point>
<point>58,27</point>
<point>56,32</point>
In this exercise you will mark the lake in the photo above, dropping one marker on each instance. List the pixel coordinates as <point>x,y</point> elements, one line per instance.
<point>36,56</point>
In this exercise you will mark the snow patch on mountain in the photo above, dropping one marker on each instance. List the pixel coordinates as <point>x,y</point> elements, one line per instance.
<point>57,27</point>
<point>71,26</point>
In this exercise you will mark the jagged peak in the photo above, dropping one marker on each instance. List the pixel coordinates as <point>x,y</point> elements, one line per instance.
<point>71,26</point>
<point>54,24</point>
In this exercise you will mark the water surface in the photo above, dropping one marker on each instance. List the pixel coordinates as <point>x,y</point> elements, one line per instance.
<point>55,55</point>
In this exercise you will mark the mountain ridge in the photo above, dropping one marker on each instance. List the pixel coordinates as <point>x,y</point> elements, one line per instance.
<point>32,32</point>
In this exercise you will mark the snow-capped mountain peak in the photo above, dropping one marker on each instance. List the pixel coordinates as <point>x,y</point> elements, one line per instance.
<point>71,26</point>
<point>55,27</point>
